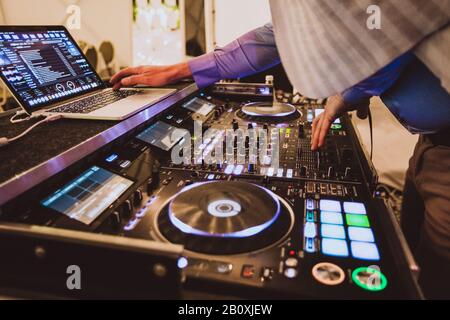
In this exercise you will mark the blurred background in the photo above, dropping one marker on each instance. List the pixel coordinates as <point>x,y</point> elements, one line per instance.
<point>119,33</point>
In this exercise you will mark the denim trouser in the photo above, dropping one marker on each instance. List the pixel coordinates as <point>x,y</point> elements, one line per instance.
<point>420,103</point>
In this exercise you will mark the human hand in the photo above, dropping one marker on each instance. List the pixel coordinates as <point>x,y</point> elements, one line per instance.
<point>154,76</point>
<point>334,108</point>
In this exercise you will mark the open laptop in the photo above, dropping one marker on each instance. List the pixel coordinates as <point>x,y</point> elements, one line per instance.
<point>47,73</point>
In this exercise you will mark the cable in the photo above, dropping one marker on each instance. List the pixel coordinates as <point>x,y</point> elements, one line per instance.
<point>7,113</point>
<point>5,141</point>
<point>19,113</point>
<point>371,133</point>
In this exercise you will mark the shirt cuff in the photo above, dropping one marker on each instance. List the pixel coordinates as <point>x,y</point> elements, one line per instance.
<point>204,70</point>
<point>355,97</point>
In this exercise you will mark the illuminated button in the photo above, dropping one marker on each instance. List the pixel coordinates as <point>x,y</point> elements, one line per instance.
<point>211,177</point>
<point>291,262</point>
<point>270,172</point>
<point>182,263</point>
<point>365,251</point>
<point>334,247</point>
<point>331,217</point>
<point>290,273</point>
<point>357,220</point>
<point>310,216</point>
<point>125,164</point>
<point>310,245</point>
<point>332,231</point>
<point>229,169</point>
<point>310,205</point>
<point>369,279</point>
<point>238,170</point>
<point>111,158</point>
<point>360,234</point>
<point>310,230</point>
<point>354,207</point>
<point>280,173</point>
<point>328,274</point>
<point>289,173</point>
<point>248,271</point>
<point>330,205</point>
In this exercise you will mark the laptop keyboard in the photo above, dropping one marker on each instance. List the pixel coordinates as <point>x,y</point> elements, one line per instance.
<point>94,102</point>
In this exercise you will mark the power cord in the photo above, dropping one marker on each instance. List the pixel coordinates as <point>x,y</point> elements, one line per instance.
<point>5,141</point>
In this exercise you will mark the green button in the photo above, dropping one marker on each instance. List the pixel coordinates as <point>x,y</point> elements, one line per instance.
<point>336,126</point>
<point>357,220</point>
<point>369,279</point>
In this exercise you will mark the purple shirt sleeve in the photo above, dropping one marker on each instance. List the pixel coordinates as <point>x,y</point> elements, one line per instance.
<point>251,53</point>
<point>378,83</point>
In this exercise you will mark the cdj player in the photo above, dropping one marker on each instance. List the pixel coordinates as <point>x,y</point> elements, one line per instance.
<point>284,222</point>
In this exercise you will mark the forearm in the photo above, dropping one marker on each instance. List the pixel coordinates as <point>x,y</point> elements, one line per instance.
<point>249,54</point>
<point>377,84</point>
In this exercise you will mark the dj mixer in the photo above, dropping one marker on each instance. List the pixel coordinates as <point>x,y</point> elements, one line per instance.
<point>269,218</point>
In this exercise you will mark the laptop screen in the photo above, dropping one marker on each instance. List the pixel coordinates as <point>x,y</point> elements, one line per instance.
<point>44,66</point>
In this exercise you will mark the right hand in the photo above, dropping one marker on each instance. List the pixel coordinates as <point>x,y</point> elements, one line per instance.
<point>153,76</point>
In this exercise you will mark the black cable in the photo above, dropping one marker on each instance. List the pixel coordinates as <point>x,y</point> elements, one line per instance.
<point>371,133</point>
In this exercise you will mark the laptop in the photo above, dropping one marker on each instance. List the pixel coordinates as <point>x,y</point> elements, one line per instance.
<point>48,74</point>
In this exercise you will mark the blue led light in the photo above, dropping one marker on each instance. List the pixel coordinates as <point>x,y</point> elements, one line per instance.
<point>365,251</point>
<point>330,205</point>
<point>310,204</point>
<point>331,217</point>
<point>332,231</point>
<point>361,234</point>
<point>310,230</point>
<point>182,263</point>
<point>354,207</point>
<point>334,247</point>
<point>112,157</point>
<point>211,177</point>
<point>310,245</point>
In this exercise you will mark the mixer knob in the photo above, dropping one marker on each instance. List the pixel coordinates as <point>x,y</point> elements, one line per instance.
<point>235,125</point>
<point>291,262</point>
<point>348,172</point>
<point>127,209</point>
<point>250,126</point>
<point>303,171</point>
<point>195,174</point>
<point>266,126</point>
<point>331,172</point>
<point>115,219</point>
<point>152,184</point>
<point>138,197</point>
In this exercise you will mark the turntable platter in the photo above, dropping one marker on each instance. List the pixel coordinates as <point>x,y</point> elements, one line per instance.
<point>226,209</point>
<point>268,109</point>
<point>268,112</point>
<point>226,217</point>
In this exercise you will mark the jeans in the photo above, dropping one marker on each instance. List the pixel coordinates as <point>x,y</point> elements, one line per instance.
<point>422,105</point>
